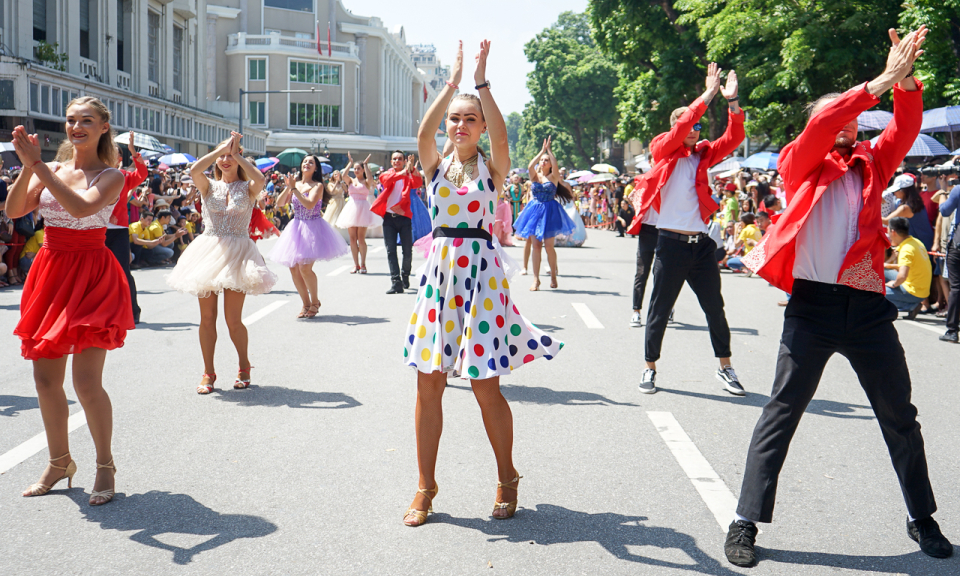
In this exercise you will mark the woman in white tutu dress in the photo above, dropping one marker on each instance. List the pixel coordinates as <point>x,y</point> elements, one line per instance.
<point>356,216</point>
<point>224,259</point>
<point>308,237</point>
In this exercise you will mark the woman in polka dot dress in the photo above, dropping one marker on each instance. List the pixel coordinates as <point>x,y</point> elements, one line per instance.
<point>464,320</point>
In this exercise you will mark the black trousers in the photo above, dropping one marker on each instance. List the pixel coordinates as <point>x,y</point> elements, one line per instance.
<point>396,225</point>
<point>646,248</point>
<point>695,263</point>
<point>118,242</point>
<point>953,275</point>
<point>822,319</point>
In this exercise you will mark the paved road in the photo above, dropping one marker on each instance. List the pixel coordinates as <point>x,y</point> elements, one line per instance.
<point>311,470</point>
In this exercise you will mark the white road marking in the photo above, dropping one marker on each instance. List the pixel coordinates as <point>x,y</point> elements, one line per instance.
<point>925,326</point>
<point>262,313</point>
<point>376,249</point>
<point>341,270</point>
<point>718,498</point>
<point>36,444</point>
<point>587,316</point>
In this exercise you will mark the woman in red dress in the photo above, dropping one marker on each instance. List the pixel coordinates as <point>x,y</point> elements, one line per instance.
<point>75,300</point>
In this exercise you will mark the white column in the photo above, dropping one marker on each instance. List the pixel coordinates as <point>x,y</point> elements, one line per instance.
<point>211,57</point>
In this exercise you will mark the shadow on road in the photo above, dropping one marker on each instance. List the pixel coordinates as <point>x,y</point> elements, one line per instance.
<point>348,320</point>
<point>276,396</point>
<point>682,326</point>
<point>10,307</point>
<point>615,533</point>
<point>156,513</point>
<point>539,395</point>
<point>13,405</point>
<point>166,326</point>
<point>548,327</point>
<point>821,407</point>
<point>913,564</point>
<point>588,292</point>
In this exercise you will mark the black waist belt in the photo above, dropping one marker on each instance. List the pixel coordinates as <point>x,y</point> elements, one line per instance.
<point>688,238</point>
<point>462,233</point>
<point>810,287</point>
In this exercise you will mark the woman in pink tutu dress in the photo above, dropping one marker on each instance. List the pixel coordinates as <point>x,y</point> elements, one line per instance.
<point>356,216</point>
<point>503,225</point>
<point>308,237</point>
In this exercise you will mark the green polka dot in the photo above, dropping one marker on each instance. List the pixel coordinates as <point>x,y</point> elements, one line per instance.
<point>463,225</point>
<point>435,211</point>
<point>476,247</point>
<point>473,372</point>
<point>515,329</point>
<point>484,327</point>
<point>434,337</point>
<point>561,346</point>
<point>454,280</point>
<point>405,353</point>
<point>491,206</point>
<point>429,291</point>
<point>473,271</point>
<point>480,184</point>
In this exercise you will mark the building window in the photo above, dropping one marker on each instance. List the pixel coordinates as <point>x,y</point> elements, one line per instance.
<point>315,115</point>
<point>6,95</point>
<point>153,47</point>
<point>40,20</point>
<point>258,69</point>
<point>56,103</point>
<point>120,21</point>
<point>177,58</point>
<point>34,97</point>
<point>258,113</point>
<point>298,5</point>
<point>45,98</point>
<point>85,28</point>
<point>313,73</point>
<point>136,124</point>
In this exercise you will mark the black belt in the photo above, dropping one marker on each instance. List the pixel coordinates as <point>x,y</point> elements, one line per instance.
<point>811,287</point>
<point>688,238</point>
<point>462,233</point>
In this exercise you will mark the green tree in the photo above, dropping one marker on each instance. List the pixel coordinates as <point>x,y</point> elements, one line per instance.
<point>939,66</point>
<point>572,85</point>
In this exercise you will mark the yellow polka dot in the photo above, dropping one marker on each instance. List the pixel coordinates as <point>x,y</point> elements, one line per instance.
<point>436,360</point>
<point>425,354</point>
<point>451,264</point>
<point>449,326</point>
<point>421,332</point>
<point>452,304</point>
<point>473,311</point>
<point>506,285</point>
<point>453,209</point>
<point>493,283</point>
<point>443,253</point>
<point>459,338</point>
<point>469,333</point>
<point>444,192</point>
<point>488,304</point>
<point>444,226</point>
<point>413,319</point>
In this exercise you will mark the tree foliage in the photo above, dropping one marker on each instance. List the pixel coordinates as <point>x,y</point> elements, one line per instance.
<point>572,85</point>
<point>939,67</point>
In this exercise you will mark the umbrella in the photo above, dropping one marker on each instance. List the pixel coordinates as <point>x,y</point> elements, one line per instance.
<point>606,177</point>
<point>373,166</point>
<point>6,146</point>
<point>728,164</point>
<point>955,152</point>
<point>605,168</point>
<point>141,141</point>
<point>572,181</point>
<point>168,148</point>
<point>941,120</point>
<point>292,156</point>
<point>580,174</point>
<point>176,159</point>
<point>150,154</point>
<point>874,119</point>
<point>762,160</point>
<point>923,146</point>
<point>264,164</point>
<point>728,174</point>
<point>326,168</point>
<point>162,166</point>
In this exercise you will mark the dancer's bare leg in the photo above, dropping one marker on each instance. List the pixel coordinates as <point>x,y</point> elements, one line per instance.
<point>301,287</point>
<point>537,246</point>
<point>88,384</point>
<point>526,253</point>
<point>498,422</point>
<point>551,260</point>
<point>233,314</point>
<point>208,331</point>
<point>310,280</point>
<point>354,248</point>
<point>429,426</point>
<point>48,375</point>
<point>362,245</point>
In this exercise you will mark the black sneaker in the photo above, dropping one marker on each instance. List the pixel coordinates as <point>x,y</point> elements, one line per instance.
<point>739,546</point>
<point>648,384</point>
<point>406,282</point>
<point>927,533</point>
<point>950,337</point>
<point>395,290</point>
<point>730,382</point>
<point>912,315</point>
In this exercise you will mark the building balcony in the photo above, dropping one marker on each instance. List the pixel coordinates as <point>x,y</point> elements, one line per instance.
<point>124,80</point>
<point>89,68</point>
<point>242,42</point>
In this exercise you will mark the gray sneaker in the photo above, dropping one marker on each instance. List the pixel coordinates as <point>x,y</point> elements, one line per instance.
<point>648,384</point>
<point>731,384</point>
<point>635,320</point>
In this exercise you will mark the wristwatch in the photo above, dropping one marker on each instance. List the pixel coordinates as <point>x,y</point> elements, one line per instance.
<point>486,84</point>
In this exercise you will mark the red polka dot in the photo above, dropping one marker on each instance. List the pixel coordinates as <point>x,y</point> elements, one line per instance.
<point>496,261</point>
<point>499,321</point>
<point>515,311</point>
<point>432,315</point>
<point>473,206</point>
<point>457,242</point>
<point>502,300</point>
<point>490,228</point>
<point>478,350</point>
<point>433,248</point>
<point>463,262</point>
<point>463,191</point>
<point>459,301</point>
<point>528,358</point>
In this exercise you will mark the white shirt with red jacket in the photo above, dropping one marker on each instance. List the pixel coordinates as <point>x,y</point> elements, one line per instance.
<point>811,169</point>
<point>120,217</point>
<point>668,148</point>
<point>388,201</point>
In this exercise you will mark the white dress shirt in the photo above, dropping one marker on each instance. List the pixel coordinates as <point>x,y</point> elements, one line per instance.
<point>394,199</point>
<point>651,217</point>
<point>830,230</point>
<point>679,203</point>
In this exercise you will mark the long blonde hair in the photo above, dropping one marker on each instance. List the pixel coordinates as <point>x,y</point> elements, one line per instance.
<point>218,174</point>
<point>106,147</point>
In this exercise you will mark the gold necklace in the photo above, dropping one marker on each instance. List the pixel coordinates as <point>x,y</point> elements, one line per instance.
<point>461,172</point>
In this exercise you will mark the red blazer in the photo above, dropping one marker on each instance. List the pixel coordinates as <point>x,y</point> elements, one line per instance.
<point>130,181</point>
<point>809,164</point>
<point>388,180</point>
<point>668,147</point>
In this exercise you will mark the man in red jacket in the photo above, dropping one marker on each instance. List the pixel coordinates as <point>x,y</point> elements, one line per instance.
<point>827,250</point>
<point>677,191</point>
<point>393,205</point>
<point>118,233</point>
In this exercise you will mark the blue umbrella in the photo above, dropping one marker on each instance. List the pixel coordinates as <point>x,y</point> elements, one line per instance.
<point>762,161</point>
<point>941,120</point>
<point>167,148</point>
<point>326,168</point>
<point>176,159</point>
<point>264,164</point>
<point>923,146</point>
<point>874,119</point>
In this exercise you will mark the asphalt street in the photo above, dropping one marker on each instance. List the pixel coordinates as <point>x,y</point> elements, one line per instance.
<point>311,470</point>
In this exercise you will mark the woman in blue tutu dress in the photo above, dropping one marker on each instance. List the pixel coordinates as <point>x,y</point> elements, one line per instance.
<point>543,218</point>
<point>308,237</point>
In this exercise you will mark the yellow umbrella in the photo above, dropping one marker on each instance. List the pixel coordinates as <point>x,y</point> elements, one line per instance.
<point>605,168</point>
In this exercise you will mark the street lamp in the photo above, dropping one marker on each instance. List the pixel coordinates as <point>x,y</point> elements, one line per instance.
<point>245,92</point>
<point>316,146</point>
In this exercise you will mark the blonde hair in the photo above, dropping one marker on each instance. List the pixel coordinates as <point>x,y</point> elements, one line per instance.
<point>218,174</point>
<point>475,100</point>
<point>106,147</point>
<point>675,115</point>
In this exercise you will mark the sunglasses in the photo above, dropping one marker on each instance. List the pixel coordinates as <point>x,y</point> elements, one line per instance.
<point>697,127</point>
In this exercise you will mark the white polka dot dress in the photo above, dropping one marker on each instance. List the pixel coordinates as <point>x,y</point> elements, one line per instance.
<point>464,320</point>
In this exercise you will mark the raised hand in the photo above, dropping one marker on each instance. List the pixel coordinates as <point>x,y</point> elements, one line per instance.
<point>731,89</point>
<point>903,53</point>
<point>713,80</point>
<point>235,143</point>
<point>349,159</point>
<point>457,66</point>
<point>411,163</point>
<point>130,146</point>
<point>289,181</point>
<point>367,159</point>
<point>480,75</point>
<point>27,146</point>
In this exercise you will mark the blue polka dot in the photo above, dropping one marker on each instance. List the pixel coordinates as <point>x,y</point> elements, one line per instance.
<point>435,174</point>
<point>467,283</point>
<point>489,183</point>
<point>548,357</point>
<point>410,338</point>
<point>532,344</point>
<point>447,350</point>
<point>466,306</point>
<point>496,343</point>
<point>423,280</point>
<point>441,278</point>
<point>489,245</point>
<point>483,264</point>
<point>504,361</point>
<point>546,340</point>
<point>436,270</point>
<point>492,364</point>
<point>442,299</point>
<point>513,349</point>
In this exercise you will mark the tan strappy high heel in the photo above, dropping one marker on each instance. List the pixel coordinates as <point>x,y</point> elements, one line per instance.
<point>510,507</point>
<point>420,516</point>
<point>108,494</point>
<point>69,470</point>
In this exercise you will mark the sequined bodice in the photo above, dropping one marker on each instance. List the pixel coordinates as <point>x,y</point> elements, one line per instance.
<point>469,206</point>
<point>227,209</point>
<point>57,216</point>
<point>544,192</point>
<point>358,192</point>
<point>302,213</point>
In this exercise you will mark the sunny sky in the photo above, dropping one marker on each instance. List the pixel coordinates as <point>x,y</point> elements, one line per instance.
<point>508,24</point>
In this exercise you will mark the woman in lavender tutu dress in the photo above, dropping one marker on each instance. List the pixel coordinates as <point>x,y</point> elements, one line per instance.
<point>308,237</point>
<point>356,216</point>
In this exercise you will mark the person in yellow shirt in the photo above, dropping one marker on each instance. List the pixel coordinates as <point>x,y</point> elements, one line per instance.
<point>908,280</point>
<point>748,238</point>
<point>30,250</point>
<point>146,238</point>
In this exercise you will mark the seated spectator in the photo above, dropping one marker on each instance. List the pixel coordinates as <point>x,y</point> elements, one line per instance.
<point>763,222</point>
<point>908,279</point>
<point>748,238</point>
<point>624,217</point>
<point>145,238</point>
<point>30,249</point>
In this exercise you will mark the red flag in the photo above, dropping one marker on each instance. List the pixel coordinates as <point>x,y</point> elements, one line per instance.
<point>424,92</point>
<point>329,48</point>
<point>319,49</point>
